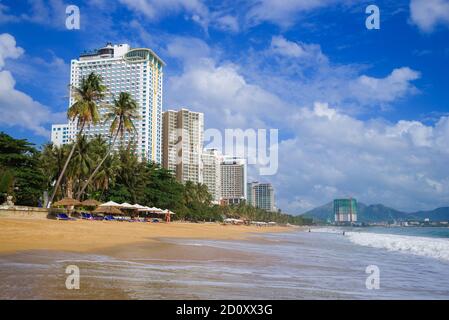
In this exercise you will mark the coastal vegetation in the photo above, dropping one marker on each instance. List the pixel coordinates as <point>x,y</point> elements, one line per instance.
<point>26,172</point>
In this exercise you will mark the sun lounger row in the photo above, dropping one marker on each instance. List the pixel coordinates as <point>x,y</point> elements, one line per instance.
<point>88,216</point>
<point>63,216</point>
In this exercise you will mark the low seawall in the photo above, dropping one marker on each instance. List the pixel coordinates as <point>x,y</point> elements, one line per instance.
<point>23,212</point>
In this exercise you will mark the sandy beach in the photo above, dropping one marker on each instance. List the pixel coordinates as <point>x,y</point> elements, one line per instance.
<point>18,234</point>
<point>121,260</point>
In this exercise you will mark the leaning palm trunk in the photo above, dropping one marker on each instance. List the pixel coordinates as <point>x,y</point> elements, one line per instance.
<point>78,197</point>
<point>66,164</point>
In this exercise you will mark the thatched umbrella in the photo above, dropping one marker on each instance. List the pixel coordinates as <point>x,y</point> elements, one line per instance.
<point>108,210</point>
<point>66,202</point>
<point>91,203</point>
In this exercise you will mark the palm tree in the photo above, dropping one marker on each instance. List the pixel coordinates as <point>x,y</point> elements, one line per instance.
<point>80,165</point>
<point>122,113</point>
<point>84,110</point>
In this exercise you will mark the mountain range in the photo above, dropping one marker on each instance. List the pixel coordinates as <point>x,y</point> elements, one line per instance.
<point>379,213</point>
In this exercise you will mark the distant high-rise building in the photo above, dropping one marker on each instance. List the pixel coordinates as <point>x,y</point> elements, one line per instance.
<point>60,134</point>
<point>345,210</point>
<point>183,134</point>
<point>261,195</point>
<point>212,172</point>
<point>233,180</point>
<point>135,71</point>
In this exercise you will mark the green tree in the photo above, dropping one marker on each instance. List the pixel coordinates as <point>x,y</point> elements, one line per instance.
<point>19,169</point>
<point>84,110</point>
<point>80,166</point>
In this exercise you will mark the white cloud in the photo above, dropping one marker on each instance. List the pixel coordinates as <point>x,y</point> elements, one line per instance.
<point>324,152</point>
<point>196,10</point>
<point>400,164</point>
<point>4,16</point>
<point>283,13</point>
<point>50,13</point>
<point>17,108</point>
<point>308,74</point>
<point>156,9</point>
<point>427,14</point>
<point>282,46</point>
<point>187,48</point>
<point>302,52</point>
<point>223,94</point>
<point>226,23</point>
<point>395,85</point>
<point>8,48</point>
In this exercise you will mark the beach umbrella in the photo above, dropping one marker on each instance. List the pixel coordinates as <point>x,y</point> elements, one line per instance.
<point>126,205</point>
<point>110,204</point>
<point>145,209</point>
<point>91,203</point>
<point>66,202</point>
<point>108,210</point>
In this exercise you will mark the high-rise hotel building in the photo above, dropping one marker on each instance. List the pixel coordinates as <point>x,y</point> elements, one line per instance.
<point>212,159</point>
<point>123,69</point>
<point>345,210</point>
<point>183,135</point>
<point>233,180</point>
<point>261,195</point>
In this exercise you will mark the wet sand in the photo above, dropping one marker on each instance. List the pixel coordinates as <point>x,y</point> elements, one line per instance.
<point>93,236</point>
<point>122,260</point>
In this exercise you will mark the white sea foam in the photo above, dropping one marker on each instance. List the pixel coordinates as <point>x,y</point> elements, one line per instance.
<point>428,247</point>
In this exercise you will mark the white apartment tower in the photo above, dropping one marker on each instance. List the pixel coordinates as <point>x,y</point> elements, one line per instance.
<point>233,180</point>
<point>136,71</point>
<point>60,134</point>
<point>183,134</point>
<point>212,172</point>
<point>261,195</point>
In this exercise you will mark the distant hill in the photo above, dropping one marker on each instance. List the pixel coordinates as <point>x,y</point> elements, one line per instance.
<point>439,214</point>
<point>378,213</point>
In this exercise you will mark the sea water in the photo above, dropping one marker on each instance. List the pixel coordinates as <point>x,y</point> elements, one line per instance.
<point>413,263</point>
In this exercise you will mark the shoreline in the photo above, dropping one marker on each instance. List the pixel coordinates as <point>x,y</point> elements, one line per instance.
<point>81,236</point>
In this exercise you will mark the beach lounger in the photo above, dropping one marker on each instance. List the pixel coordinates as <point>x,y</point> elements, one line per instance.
<point>86,216</point>
<point>109,218</point>
<point>63,216</point>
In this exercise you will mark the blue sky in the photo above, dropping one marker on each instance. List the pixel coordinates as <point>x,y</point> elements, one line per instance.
<point>360,112</point>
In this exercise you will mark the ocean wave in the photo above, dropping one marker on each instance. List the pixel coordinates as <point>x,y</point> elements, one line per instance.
<point>428,247</point>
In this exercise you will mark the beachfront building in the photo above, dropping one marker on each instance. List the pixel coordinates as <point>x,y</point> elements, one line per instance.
<point>123,69</point>
<point>182,144</point>
<point>233,180</point>
<point>261,195</point>
<point>345,210</point>
<point>212,172</point>
<point>60,134</point>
